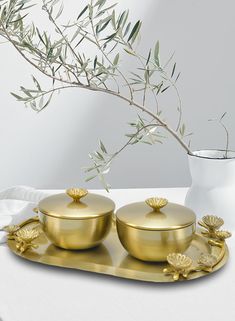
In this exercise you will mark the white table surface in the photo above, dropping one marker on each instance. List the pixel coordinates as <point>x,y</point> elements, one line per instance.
<point>34,292</point>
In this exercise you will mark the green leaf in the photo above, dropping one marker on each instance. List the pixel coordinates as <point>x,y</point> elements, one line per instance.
<point>95,62</point>
<point>182,130</point>
<point>109,38</point>
<point>26,91</point>
<point>17,97</point>
<point>40,37</point>
<point>134,31</point>
<point>136,75</point>
<point>129,51</point>
<point>120,19</point>
<point>18,19</point>
<point>77,32</point>
<point>105,10</point>
<point>125,18</point>
<point>99,155</point>
<point>159,87</point>
<point>116,59</point>
<point>177,76</point>
<point>99,29</point>
<point>173,70</point>
<point>224,114</point>
<point>164,89</point>
<point>102,147</point>
<point>100,3</point>
<point>113,19</point>
<point>146,76</point>
<point>127,29</point>
<point>55,2</point>
<point>47,103</point>
<point>37,83</point>
<point>60,11</point>
<point>90,178</point>
<point>41,103</point>
<point>80,41</point>
<point>149,55</point>
<point>82,12</point>
<point>90,11</point>
<point>156,54</point>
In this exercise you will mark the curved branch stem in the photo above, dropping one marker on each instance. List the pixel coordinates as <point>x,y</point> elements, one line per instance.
<point>130,101</point>
<point>143,109</point>
<point>227,139</point>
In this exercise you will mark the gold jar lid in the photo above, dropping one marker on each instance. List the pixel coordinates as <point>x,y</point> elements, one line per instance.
<point>76,203</point>
<point>156,214</point>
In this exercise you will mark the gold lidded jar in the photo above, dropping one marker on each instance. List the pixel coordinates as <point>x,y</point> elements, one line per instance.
<point>151,230</point>
<point>76,219</point>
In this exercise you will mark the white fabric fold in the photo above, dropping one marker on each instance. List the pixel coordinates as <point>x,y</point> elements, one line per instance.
<point>16,205</point>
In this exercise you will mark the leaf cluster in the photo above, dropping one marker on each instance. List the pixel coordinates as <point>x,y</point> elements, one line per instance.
<point>61,58</point>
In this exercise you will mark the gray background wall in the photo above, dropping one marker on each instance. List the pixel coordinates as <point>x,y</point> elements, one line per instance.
<point>47,150</point>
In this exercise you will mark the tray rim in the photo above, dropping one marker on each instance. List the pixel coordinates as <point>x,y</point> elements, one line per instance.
<point>117,271</point>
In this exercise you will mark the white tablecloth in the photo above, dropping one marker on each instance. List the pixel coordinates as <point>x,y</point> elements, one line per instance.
<point>34,292</point>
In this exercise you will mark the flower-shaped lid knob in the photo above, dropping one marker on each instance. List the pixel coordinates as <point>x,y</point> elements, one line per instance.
<point>76,193</point>
<point>156,203</point>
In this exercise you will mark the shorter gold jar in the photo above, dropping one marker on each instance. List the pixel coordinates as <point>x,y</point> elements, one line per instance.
<point>76,219</point>
<point>151,230</point>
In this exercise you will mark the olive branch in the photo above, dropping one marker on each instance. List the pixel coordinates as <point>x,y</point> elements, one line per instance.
<point>61,59</point>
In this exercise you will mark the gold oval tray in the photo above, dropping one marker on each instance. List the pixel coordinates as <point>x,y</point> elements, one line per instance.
<point>110,258</point>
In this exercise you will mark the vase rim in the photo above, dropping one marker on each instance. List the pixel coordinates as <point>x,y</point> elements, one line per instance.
<point>197,154</point>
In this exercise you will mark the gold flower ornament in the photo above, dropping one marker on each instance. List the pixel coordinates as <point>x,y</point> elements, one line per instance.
<point>24,239</point>
<point>180,265</point>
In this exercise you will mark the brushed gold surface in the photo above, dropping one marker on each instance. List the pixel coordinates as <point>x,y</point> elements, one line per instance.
<point>76,234</point>
<point>89,206</point>
<point>150,245</point>
<point>76,220</point>
<point>111,258</point>
<point>171,216</point>
<point>151,230</point>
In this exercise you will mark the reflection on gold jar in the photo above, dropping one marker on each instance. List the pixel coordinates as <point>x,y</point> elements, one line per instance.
<point>76,234</point>
<point>153,245</point>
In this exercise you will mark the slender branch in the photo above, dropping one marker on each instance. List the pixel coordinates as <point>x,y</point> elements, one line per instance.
<point>220,122</point>
<point>143,109</point>
<point>103,90</point>
<point>227,140</point>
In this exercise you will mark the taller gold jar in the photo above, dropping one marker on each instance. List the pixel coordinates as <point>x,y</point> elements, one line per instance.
<point>76,219</point>
<point>152,229</point>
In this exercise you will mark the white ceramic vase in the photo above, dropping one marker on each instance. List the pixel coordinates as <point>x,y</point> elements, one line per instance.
<point>213,185</point>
